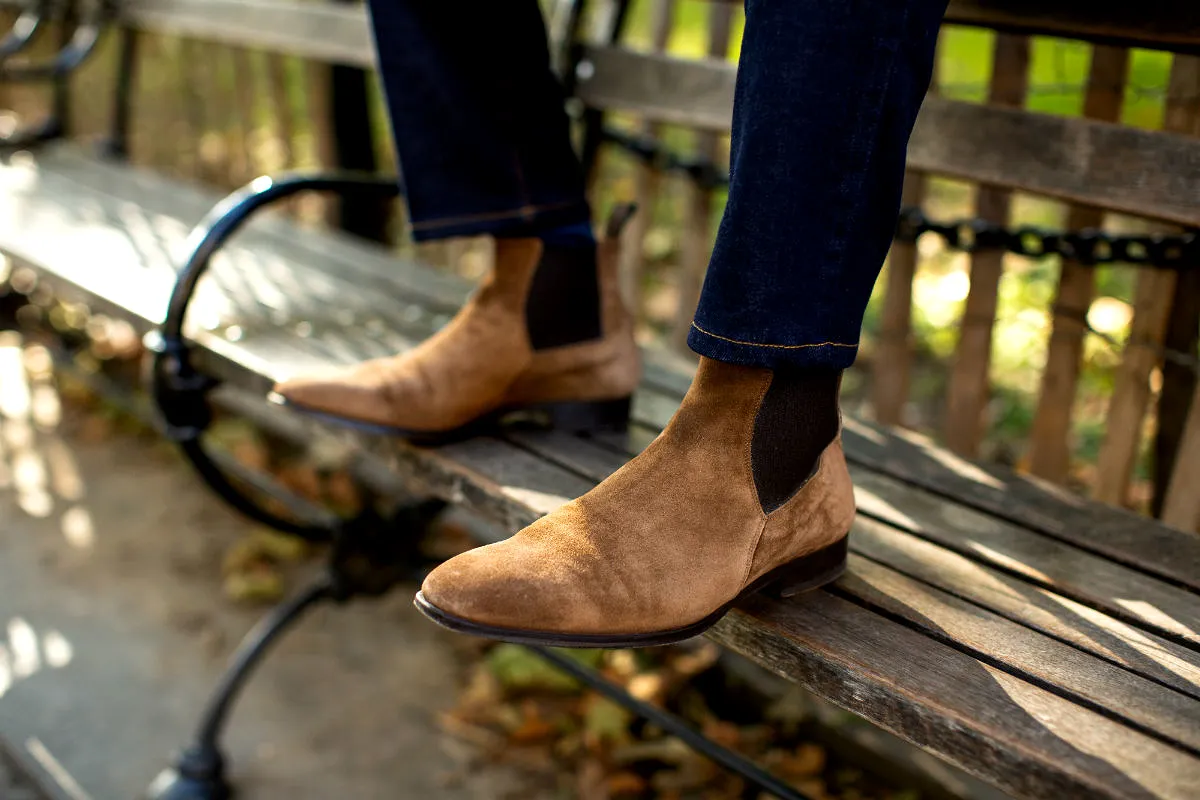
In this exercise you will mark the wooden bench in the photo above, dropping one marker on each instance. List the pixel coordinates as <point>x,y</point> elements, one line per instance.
<point>1042,642</point>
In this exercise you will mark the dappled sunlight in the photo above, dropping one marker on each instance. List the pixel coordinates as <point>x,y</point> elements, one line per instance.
<point>1008,562</point>
<point>1058,716</point>
<point>870,503</point>
<point>77,528</point>
<point>1145,645</point>
<point>65,479</point>
<point>542,502</point>
<point>37,466</point>
<point>1156,616</point>
<point>24,652</point>
<point>15,401</point>
<point>956,464</point>
<point>865,431</point>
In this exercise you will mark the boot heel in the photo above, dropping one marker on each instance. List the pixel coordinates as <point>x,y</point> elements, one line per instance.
<point>808,572</point>
<point>596,416</point>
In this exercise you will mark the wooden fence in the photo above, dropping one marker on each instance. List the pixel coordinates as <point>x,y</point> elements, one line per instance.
<point>222,114</point>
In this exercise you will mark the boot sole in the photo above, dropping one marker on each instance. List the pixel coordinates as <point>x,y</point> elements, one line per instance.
<point>788,580</point>
<point>576,417</point>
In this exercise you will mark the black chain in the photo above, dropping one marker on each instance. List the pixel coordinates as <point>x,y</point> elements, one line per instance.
<point>1089,247</point>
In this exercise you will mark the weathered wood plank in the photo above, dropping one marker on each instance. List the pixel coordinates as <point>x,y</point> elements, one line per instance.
<point>969,387</point>
<point>648,181</point>
<point>1182,506</point>
<point>1151,313</point>
<point>698,202</point>
<point>1164,24</point>
<point>1043,610</point>
<point>1026,740</point>
<point>1179,381</point>
<point>1131,395</point>
<point>1153,709</point>
<point>318,31</point>
<point>892,363</point>
<point>1116,534</point>
<point>1143,173</point>
<point>1050,436</point>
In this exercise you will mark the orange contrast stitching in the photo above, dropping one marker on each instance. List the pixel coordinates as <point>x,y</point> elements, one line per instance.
<point>524,211</point>
<point>776,346</point>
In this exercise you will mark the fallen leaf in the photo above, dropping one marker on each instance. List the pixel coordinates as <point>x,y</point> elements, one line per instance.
<point>259,586</point>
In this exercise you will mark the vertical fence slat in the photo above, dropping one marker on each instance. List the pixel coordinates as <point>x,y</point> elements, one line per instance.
<point>968,393</point>
<point>1152,308</point>
<point>1180,381</point>
<point>891,369</point>
<point>1182,505</point>
<point>224,87</point>
<point>892,365</point>
<point>282,112</point>
<point>1178,386</point>
<point>697,226</point>
<point>245,80</point>
<point>648,181</point>
<point>318,98</point>
<point>1050,437</point>
<point>1131,395</point>
<point>194,114</point>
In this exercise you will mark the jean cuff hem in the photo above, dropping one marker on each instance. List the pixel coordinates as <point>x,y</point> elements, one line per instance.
<point>822,354</point>
<point>525,221</point>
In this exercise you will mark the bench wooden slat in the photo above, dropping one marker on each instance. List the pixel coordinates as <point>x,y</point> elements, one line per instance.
<point>319,31</point>
<point>1158,174</point>
<point>1153,709</point>
<point>1035,607</point>
<point>1164,24</point>
<point>1029,741</point>
<point>1114,533</point>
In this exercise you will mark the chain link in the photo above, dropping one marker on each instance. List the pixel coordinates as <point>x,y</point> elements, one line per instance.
<point>1089,247</point>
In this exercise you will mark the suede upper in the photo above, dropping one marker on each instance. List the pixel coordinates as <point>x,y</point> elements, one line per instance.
<point>482,360</point>
<point>667,540</point>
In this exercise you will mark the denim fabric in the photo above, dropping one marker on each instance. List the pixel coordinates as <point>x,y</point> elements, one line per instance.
<point>827,94</point>
<point>477,117</point>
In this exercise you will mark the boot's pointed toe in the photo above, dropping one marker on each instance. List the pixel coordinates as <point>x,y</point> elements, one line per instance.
<point>482,366</point>
<point>344,390</point>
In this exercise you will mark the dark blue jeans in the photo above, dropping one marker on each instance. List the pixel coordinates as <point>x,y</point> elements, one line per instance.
<point>827,93</point>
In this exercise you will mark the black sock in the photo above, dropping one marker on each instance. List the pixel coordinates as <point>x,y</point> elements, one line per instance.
<point>564,297</point>
<point>797,420</point>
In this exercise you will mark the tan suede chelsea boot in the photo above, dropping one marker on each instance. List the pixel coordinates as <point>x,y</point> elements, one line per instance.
<point>661,550</point>
<point>483,365</point>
